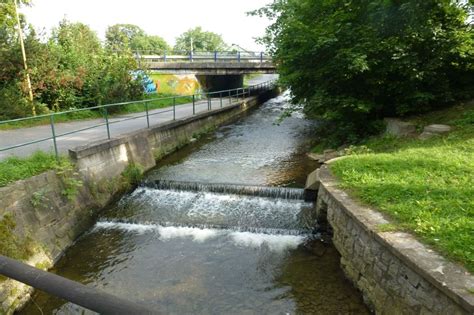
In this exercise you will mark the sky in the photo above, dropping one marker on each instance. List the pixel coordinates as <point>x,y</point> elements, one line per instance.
<point>166,18</point>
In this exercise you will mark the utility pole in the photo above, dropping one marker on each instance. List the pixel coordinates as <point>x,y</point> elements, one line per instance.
<point>28,81</point>
<point>191,53</point>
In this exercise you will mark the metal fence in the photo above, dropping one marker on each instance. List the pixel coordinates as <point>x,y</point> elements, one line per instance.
<point>217,99</point>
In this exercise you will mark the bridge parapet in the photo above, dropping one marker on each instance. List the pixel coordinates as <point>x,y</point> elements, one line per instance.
<point>215,56</point>
<point>208,63</point>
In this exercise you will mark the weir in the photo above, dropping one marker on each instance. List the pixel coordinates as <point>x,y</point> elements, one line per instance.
<point>257,191</point>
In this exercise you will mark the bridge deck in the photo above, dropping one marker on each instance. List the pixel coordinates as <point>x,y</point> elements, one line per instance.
<point>212,68</point>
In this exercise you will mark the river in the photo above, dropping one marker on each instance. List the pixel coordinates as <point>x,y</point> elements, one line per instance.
<point>201,236</point>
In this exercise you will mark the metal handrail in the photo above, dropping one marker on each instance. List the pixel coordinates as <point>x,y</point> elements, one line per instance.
<point>75,292</point>
<point>233,96</point>
<point>195,56</point>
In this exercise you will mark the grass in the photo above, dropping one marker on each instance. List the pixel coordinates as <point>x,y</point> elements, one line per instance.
<point>14,168</point>
<point>95,114</point>
<point>426,187</point>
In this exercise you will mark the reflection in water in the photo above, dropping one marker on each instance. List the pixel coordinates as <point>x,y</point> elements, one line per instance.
<point>217,251</point>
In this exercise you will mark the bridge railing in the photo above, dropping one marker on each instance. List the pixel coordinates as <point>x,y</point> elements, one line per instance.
<point>108,114</point>
<point>216,56</point>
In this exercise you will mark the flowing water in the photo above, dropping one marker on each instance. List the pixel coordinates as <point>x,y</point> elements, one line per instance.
<point>219,227</point>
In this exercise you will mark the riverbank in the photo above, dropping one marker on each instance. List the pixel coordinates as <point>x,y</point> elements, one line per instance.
<point>424,186</point>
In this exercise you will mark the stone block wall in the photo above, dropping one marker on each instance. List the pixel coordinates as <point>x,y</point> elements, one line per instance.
<point>396,273</point>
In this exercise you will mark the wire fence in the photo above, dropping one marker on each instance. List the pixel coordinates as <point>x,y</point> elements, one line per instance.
<point>201,102</point>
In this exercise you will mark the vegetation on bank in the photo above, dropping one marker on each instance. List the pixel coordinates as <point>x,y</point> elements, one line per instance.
<point>14,168</point>
<point>10,244</point>
<point>426,187</point>
<point>353,63</point>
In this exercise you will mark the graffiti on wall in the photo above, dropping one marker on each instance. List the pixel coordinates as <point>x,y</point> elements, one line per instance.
<point>176,84</point>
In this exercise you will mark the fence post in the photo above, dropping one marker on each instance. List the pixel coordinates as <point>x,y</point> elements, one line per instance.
<point>220,98</point>
<point>215,56</point>
<point>261,57</point>
<point>238,56</point>
<point>53,131</point>
<point>194,105</point>
<point>147,116</point>
<point>230,97</point>
<point>209,106</point>
<point>174,107</point>
<point>107,122</point>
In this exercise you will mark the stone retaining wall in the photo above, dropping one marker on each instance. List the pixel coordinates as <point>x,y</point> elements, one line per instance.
<point>52,209</point>
<point>395,272</point>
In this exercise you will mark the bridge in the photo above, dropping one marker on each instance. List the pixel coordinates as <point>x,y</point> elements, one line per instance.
<point>209,63</point>
<point>214,70</point>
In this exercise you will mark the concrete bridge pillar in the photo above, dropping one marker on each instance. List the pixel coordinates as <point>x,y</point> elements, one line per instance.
<point>214,83</point>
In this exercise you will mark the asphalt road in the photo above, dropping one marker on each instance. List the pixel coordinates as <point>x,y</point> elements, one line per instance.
<point>117,127</point>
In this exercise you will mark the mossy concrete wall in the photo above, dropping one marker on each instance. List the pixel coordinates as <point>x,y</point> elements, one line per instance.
<point>47,217</point>
<point>49,211</point>
<point>395,272</point>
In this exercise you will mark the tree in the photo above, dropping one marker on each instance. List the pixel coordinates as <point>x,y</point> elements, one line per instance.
<point>149,43</point>
<point>120,36</point>
<point>7,13</point>
<point>201,41</point>
<point>129,37</point>
<point>12,85</point>
<point>352,63</point>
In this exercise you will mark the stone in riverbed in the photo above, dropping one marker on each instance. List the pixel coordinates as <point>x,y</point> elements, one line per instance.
<point>315,156</point>
<point>326,156</point>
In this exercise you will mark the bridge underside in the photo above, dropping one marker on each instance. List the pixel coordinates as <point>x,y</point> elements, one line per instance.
<point>212,68</point>
<point>214,83</point>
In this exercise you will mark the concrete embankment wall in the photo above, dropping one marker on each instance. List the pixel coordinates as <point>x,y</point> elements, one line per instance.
<point>395,272</point>
<point>43,215</point>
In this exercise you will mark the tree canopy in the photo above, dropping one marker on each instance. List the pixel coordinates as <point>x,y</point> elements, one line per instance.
<point>201,41</point>
<point>124,37</point>
<point>354,62</point>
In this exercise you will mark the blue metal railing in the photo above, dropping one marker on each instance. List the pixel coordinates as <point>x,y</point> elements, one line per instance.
<point>233,96</point>
<point>198,56</point>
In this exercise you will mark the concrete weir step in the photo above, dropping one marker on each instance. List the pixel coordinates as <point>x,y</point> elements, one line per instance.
<point>235,189</point>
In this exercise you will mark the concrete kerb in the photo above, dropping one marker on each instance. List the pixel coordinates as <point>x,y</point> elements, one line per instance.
<point>451,279</point>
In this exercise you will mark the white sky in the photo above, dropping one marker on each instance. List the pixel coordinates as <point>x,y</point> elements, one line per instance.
<point>166,18</point>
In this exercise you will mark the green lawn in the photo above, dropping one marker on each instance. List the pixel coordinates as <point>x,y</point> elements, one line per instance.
<point>14,168</point>
<point>427,187</point>
<point>91,114</point>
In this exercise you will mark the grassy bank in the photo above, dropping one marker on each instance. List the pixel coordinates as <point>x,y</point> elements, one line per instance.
<point>14,168</point>
<point>94,114</point>
<point>427,187</point>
